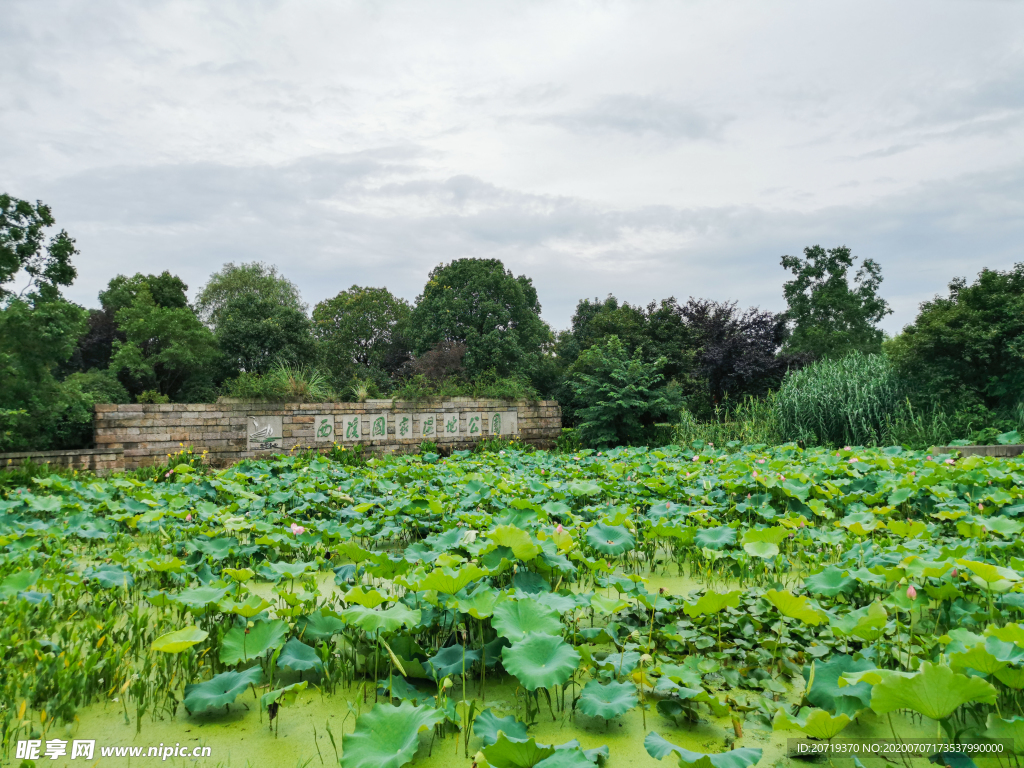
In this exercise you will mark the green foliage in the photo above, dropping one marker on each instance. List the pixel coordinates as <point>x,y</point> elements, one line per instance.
<point>832,318</point>
<point>623,397</point>
<point>751,421</point>
<point>165,344</point>
<point>479,303</point>
<point>361,329</point>
<point>967,348</point>
<point>255,334</point>
<point>255,281</point>
<point>22,234</point>
<point>283,383</point>
<point>488,385</point>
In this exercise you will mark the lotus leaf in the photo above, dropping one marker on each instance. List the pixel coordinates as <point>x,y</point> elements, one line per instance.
<point>298,656</point>
<point>607,700</point>
<point>387,736</point>
<point>386,621</point>
<point>179,640</point>
<point>794,607</point>
<point>816,723</point>
<point>660,748</point>
<point>509,753</point>
<point>935,691</point>
<point>540,661</point>
<point>285,695</point>
<point>513,619</point>
<point>487,725</point>
<point>610,539</point>
<point>241,645</point>
<point>219,691</point>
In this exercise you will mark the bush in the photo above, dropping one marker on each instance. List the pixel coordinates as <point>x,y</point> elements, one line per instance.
<point>624,398</point>
<point>851,401</point>
<point>754,420</point>
<point>284,383</point>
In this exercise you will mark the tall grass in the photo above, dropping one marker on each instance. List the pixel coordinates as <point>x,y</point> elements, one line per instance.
<point>754,420</point>
<point>857,400</point>
<point>284,383</point>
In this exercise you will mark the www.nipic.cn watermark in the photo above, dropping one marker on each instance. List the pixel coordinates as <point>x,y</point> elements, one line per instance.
<point>35,749</point>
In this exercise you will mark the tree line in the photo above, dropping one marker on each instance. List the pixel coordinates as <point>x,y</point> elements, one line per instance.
<point>620,371</point>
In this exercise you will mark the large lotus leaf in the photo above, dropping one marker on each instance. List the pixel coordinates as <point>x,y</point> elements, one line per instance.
<point>816,723</point>
<point>387,736</point>
<point>200,597</point>
<point>830,582</point>
<point>713,602</point>
<point>540,661</point>
<point>318,626</point>
<point>607,605</point>
<point>241,645</point>
<point>368,599</point>
<point>560,601</point>
<point>867,623</point>
<point>530,582</point>
<point>385,621</point>
<point>251,606</point>
<point>298,656</point>
<point>513,619</point>
<point>487,724</point>
<point>584,488</point>
<point>988,573</point>
<point>998,728</point>
<point>448,581</point>
<point>823,685</point>
<point>523,547</point>
<point>1008,633</point>
<point>660,748</point>
<point>936,691</point>
<point>219,691</point>
<point>774,535</point>
<point>607,701</point>
<point>110,576</point>
<point>179,640</point>
<point>400,688</point>
<point>508,753</point>
<point>716,538</point>
<point>794,607</point>
<point>762,549</point>
<point>293,570</point>
<point>18,582</point>
<point>450,661</point>
<point>480,604</point>
<point>610,539</point>
<point>567,758</point>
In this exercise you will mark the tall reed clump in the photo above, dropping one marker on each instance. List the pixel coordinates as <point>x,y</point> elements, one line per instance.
<point>857,400</point>
<point>283,383</point>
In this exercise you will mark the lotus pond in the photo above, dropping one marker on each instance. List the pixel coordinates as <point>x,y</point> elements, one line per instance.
<point>690,606</point>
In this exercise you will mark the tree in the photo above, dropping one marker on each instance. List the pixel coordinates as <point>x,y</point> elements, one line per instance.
<point>256,333</point>
<point>361,329</point>
<point>968,347</point>
<point>736,353</point>
<point>38,327</point>
<point>166,348</point>
<point>830,317</point>
<point>257,281</point>
<point>479,302</point>
<point>622,397</point>
<point>22,234</point>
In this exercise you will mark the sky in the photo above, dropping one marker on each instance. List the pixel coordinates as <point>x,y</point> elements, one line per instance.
<point>645,149</point>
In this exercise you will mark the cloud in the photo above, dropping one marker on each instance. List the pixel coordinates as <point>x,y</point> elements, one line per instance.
<point>640,116</point>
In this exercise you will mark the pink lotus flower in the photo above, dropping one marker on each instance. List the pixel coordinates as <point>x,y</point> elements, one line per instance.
<point>696,458</point>
<point>980,505</point>
<point>954,573</point>
<point>188,518</point>
<point>755,473</point>
<point>927,458</point>
<point>854,459</point>
<point>911,592</point>
<point>782,477</point>
<point>760,461</point>
<point>559,529</point>
<point>950,461</point>
<point>297,529</point>
<point>846,448</point>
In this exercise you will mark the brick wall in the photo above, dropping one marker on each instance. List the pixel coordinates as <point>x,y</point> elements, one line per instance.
<point>99,460</point>
<point>145,434</point>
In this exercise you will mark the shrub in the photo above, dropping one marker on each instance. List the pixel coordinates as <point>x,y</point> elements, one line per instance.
<point>284,383</point>
<point>623,397</point>
<point>754,420</point>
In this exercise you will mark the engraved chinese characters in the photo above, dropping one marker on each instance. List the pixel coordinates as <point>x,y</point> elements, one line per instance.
<point>323,428</point>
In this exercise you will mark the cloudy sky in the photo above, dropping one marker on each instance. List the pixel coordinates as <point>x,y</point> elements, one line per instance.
<point>644,149</point>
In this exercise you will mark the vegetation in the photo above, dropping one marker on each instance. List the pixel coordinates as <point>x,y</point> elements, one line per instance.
<point>481,604</point>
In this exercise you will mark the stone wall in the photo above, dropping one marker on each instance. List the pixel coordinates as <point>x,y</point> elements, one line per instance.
<point>998,451</point>
<point>98,460</point>
<point>231,431</point>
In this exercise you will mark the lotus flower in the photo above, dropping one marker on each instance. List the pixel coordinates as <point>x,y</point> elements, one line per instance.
<point>760,461</point>
<point>853,460</point>
<point>188,518</point>
<point>954,573</point>
<point>559,529</point>
<point>927,458</point>
<point>297,529</point>
<point>911,592</point>
<point>696,458</point>
<point>950,461</point>
<point>755,473</point>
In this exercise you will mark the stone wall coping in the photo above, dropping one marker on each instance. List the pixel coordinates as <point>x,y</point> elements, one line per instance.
<point>56,454</point>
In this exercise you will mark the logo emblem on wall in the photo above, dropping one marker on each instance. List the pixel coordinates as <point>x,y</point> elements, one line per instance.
<point>263,434</point>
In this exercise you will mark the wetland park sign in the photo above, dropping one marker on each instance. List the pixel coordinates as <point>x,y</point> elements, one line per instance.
<point>233,430</point>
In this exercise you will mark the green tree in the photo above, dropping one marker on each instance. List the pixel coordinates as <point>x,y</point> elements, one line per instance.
<point>38,327</point>
<point>24,248</point>
<point>480,303</point>
<point>622,397</point>
<point>255,334</point>
<point>831,317</point>
<point>256,281</point>
<point>166,348</point>
<point>968,347</point>
<point>361,330</point>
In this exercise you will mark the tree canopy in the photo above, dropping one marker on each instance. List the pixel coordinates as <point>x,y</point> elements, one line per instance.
<point>255,280</point>
<point>831,317</point>
<point>480,303</point>
<point>257,333</point>
<point>362,329</point>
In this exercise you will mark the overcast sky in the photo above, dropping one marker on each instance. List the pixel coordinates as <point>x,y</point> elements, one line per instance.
<point>644,149</point>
